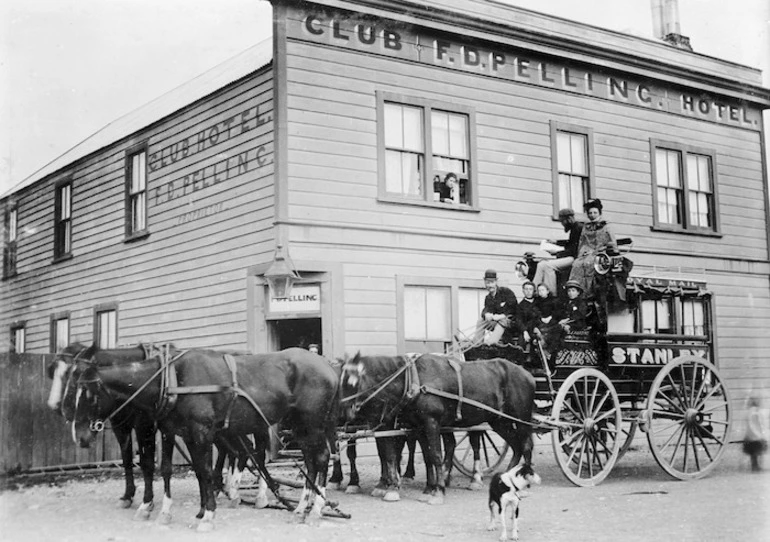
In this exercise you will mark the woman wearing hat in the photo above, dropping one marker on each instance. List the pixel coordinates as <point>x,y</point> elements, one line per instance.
<point>596,237</point>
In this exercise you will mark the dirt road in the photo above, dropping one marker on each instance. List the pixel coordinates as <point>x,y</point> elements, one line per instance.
<point>638,501</point>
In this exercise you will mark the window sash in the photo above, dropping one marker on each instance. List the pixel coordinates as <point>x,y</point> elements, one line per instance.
<point>107,332</point>
<point>427,313</point>
<point>685,188</point>
<point>19,340</point>
<point>421,143</point>
<point>137,192</point>
<point>63,226</point>
<point>470,303</point>
<point>13,217</point>
<point>61,332</point>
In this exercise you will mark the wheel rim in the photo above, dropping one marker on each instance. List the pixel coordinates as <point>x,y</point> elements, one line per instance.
<point>588,439</point>
<point>688,416</point>
<point>627,434</point>
<point>492,452</point>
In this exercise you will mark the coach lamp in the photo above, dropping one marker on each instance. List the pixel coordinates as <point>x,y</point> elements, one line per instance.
<point>281,275</point>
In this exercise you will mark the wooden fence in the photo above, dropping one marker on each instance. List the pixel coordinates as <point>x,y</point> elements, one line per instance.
<point>32,437</point>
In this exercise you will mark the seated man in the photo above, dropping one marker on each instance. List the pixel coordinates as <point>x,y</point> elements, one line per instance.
<point>500,311</point>
<point>529,314</point>
<point>547,269</point>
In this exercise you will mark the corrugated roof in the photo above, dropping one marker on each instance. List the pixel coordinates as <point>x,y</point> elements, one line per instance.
<point>228,71</point>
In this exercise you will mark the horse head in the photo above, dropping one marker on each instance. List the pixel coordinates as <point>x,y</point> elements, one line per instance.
<point>93,403</point>
<point>351,379</point>
<point>59,372</point>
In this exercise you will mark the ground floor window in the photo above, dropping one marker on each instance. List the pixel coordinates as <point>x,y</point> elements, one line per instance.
<point>18,339</point>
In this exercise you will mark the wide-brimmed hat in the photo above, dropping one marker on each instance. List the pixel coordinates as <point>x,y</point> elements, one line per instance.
<point>573,284</point>
<point>564,213</point>
<point>490,274</point>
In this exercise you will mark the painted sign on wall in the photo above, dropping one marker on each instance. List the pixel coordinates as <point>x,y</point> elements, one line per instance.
<point>303,298</point>
<point>388,38</point>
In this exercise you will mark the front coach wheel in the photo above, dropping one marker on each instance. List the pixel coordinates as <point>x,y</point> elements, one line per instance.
<point>492,452</point>
<point>688,417</point>
<point>588,436</point>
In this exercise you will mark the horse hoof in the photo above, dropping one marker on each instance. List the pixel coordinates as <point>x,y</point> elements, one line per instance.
<point>378,492</point>
<point>261,502</point>
<point>336,486</point>
<point>125,503</point>
<point>353,490</point>
<point>234,503</point>
<point>142,515</point>
<point>164,518</point>
<point>407,479</point>
<point>391,496</point>
<point>436,499</point>
<point>476,486</point>
<point>423,497</point>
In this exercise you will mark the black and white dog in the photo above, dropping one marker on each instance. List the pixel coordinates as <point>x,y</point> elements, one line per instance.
<point>506,491</point>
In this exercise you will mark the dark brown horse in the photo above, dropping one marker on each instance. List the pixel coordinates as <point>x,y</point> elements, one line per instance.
<point>225,397</point>
<point>425,397</point>
<point>62,399</point>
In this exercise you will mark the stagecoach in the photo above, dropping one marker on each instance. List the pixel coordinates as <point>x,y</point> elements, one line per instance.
<point>648,365</point>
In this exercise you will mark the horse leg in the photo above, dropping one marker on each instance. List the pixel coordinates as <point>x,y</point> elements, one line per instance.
<point>335,482</point>
<point>430,472</point>
<point>411,443</point>
<point>166,468</point>
<point>354,484</point>
<point>200,447</point>
<point>123,435</point>
<point>319,458</point>
<point>382,486</point>
<point>433,457</point>
<point>449,452</point>
<point>393,480</point>
<point>476,482</point>
<point>145,438</point>
<point>218,481</point>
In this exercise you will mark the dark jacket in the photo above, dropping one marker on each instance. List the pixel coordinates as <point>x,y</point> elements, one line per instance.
<point>504,302</point>
<point>577,311</point>
<point>529,315</point>
<point>572,242</point>
<point>548,306</point>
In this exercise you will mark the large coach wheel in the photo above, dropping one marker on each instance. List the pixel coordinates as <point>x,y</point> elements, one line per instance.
<point>492,452</point>
<point>588,436</point>
<point>688,417</point>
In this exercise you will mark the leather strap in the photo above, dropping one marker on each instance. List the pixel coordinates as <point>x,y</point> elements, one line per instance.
<point>458,370</point>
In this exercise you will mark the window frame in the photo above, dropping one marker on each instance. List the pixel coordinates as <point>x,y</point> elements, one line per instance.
<point>98,310</point>
<point>427,107</point>
<point>55,317</point>
<point>676,308</point>
<point>10,250</point>
<point>14,327</point>
<point>687,227</point>
<point>131,234</point>
<point>454,286</point>
<point>557,127</point>
<point>59,254</point>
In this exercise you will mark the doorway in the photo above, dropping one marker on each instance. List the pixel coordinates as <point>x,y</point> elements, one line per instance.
<point>299,332</point>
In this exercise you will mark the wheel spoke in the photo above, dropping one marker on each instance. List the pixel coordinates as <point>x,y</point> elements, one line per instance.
<point>582,454</point>
<point>670,401</point>
<point>666,428</point>
<point>569,407</point>
<point>577,397</point>
<point>604,416</point>
<point>596,454</point>
<point>710,393</point>
<point>681,432</point>
<point>593,397</point>
<point>683,375</point>
<point>590,456</point>
<point>668,414</point>
<point>705,447</point>
<point>677,392</point>
<point>572,455</point>
<point>574,436</point>
<point>696,396</point>
<point>601,404</point>
<point>492,444</point>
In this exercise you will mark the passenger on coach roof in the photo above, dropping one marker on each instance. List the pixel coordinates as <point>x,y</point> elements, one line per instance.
<point>500,308</point>
<point>547,269</point>
<point>596,237</point>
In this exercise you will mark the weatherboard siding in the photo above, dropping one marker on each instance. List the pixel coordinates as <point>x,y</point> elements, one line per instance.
<point>185,282</point>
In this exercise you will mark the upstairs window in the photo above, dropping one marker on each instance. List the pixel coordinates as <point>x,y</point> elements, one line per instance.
<point>571,166</point>
<point>106,326</point>
<point>9,250</point>
<point>136,193</point>
<point>426,152</point>
<point>63,221</point>
<point>684,188</point>
<point>60,331</point>
<point>18,338</point>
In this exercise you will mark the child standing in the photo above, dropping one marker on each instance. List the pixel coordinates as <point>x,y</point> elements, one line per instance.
<point>755,441</point>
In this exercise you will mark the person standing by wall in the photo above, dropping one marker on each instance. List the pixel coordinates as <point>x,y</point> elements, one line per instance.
<point>755,441</point>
